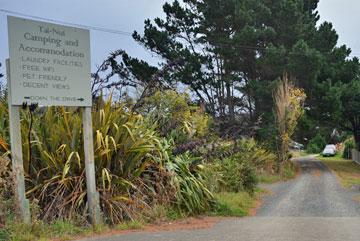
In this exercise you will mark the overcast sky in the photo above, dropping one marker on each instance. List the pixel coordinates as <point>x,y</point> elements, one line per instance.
<point>129,15</point>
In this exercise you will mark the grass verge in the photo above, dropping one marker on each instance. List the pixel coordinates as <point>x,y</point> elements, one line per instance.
<point>236,204</point>
<point>59,230</point>
<point>290,171</point>
<point>297,154</point>
<point>229,204</point>
<point>347,170</point>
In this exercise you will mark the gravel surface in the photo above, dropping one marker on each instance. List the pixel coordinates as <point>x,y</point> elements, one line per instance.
<point>313,207</point>
<point>315,193</point>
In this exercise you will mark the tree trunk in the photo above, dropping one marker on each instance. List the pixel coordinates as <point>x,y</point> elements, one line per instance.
<point>230,102</point>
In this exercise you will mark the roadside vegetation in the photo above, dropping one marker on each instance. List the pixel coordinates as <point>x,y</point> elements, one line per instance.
<point>236,204</point>
<point>146,172</point>
<point>347,170</point>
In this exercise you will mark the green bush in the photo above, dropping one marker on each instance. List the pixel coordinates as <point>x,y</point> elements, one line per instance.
<point>192,195</point>
<point>129,160</point>
<point>256,155</point>
<point>174,116</point>
<point>316,144</point>
<point>238,174</point>
<point>5,190</point>
<point>236,165</point>
<point>348,146</point>
<point>234,204</point>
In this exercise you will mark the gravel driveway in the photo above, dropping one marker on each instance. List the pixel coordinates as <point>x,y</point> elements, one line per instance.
<point>313,207</point>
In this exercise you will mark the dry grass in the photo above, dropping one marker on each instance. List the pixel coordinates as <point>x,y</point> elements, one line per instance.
<point>347,170</point>
<point>290,171</point>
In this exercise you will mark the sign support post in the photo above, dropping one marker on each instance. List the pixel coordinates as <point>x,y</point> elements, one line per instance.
<point>16,154</point>
<point>92,194</point>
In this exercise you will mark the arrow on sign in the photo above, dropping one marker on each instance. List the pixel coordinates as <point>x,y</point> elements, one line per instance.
<point>81,99</point>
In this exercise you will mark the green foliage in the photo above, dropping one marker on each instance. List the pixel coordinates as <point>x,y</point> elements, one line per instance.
<point>349,94</point>
<point>130,225</point>
<point>255,154</point>
<point>168,109</point>
<point>5,190</point>
<point>258,42</point>
<point>134,167</point>
<point>192,196</point>
<point>59,230</point>
<point>348,146</point>
<point>317,144</point>
<point>238,174</point>
<point>236,165</point>
<point>289,171</point>
<point>129,160</point>
<point>235,204</point>
<point>174,116</point>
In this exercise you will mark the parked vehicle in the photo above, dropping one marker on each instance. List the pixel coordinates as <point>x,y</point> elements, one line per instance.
<point>296,146</point>
<point>330,150</point>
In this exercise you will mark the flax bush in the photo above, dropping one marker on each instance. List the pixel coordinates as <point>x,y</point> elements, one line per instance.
<point>134,167</point>
<point>5,189</point>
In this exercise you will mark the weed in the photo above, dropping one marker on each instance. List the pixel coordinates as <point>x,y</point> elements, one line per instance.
<point>235,204</point>
<point>131,225</point>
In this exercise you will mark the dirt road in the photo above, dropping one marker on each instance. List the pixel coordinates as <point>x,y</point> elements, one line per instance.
<point>313,207</point>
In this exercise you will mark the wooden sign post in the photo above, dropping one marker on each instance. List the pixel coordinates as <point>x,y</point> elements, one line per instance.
<point>92,194</point>
<point>49,65</point>
<point>22,204</point>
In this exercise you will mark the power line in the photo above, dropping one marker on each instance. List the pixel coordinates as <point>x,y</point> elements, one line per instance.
<point>125,33</point>
<point>96,28</point>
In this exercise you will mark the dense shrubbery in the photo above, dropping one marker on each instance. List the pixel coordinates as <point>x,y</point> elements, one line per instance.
<point>348,146</point>
<point>142,160</point>
<point>192,194</point>
<point>4,189</point>
<point>238,174</point>
<point>129,159</point>
<point>236,165</point>
<point>175,117</point>
<point>316,144</point>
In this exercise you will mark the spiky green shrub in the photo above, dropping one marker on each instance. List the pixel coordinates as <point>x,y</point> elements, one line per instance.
<point>125,149</point>
<point>129,159</point>
<point>192,195</point>
<point>133,168</point>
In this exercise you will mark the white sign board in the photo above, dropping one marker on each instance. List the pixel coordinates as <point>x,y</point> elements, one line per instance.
<point>49,64</point>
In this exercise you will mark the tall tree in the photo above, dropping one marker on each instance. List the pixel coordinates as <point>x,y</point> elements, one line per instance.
<point>231,52</point>
<point>345,100</point>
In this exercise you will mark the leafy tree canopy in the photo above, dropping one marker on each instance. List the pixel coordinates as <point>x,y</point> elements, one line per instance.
<point>231,52</point>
